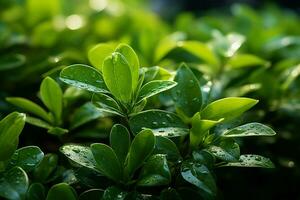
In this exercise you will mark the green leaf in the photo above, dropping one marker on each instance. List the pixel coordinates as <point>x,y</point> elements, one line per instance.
<point>226,150</point>
<point>107,161</point>
<point>38,122</point>
<point>92,194</point>
<point>36,191</point>
<point>155,172</point>
<point>166,146</point>
<point>14,184</point>
<point>10,129</point>
<point>30,107</point>
<point>140,149</point>
<point>120,141</point>
<point>227,108</point>
<point>85,114</point>
<point>133,62</point>
<point>52,97</point>
<point>200,176</point>
<point>98,53</point>
<point>245,60</point>
<point>45,168</point>
<point>162,123</point>
<point>117,77</point>
<point>201,50</point>
<point>57,131</point>
<point>187,94</point>
<point>107,104</point>
<point>12,61</point>
<point>169,193</point>
<point>250,129</point>
<point>83,77</point>
<point>27,158</point>
<point>80,155</point>
<point>61,191</point>
<point>154,87</point>
<point>200,129</point>
<point>251,161</point>
<point>114,193</point>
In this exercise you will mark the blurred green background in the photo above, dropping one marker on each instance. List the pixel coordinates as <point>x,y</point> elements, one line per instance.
<point>38,38</point>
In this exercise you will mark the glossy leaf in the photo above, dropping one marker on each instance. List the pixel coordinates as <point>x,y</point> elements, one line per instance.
<point>251,161</point>
<point>133,62</point>
<point>140,149</point>
<point>162,123</point>
<point>45,168</point>
<point>227,108</point>
<point>106,103</point>
<point>85,114</point>
<point>166,146</point>
<point>107,161</point>
<point>120,141</point>
<point>61,191</point>
<point>30,107</point>
<point>117,77</point>
<point>10,129</point>
<point>226,150</point>
<point>80,155</point>
<point>114,193</point>
<point>155,87</point>
<point>250,129</point>
<point>14,184</point>
<point>51,95</point>
<point>83,77</point>
<point>199,175</point>
<point>26,157</point>
<point>155,172</point>
<point>36,191</point>
<point>187,94</point>
<point>92,194</point>
<point>98,53</point>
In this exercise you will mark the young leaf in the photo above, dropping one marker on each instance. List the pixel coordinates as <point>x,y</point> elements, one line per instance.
<point>251,161</point>
<point>155,172</point>
<point>166,146</point>
<point>107,161</point>
<point>98,53</point>
<point>36,191</point>
<point>140,149</point>
<point>200,129</point>
<point>26,157</point>
<point>120,141</point>
<point>83,77</point>
<point>30,107</point>
<point>154,87</point>
<point>51,95</point>
<point>250,129</point>
<point>187,94</point>
<point>199,175</point>
<point>226,150</point>
<point>38,122</point>
<point>80,155</point>
<point>162,123</point>
<point>61,191</point>
<point>14,184</point>
<point>227,108</point>
<point>133,62</point>
<point>117,77</point>
<point>10,129</point>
